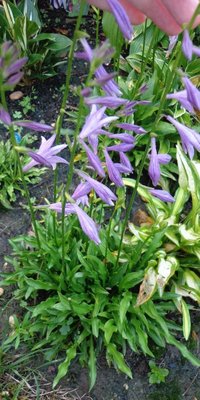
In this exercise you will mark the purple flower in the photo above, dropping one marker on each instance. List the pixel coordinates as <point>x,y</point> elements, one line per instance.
<point>46,154</point>
<point>108,101</point>
<point>131,127</point>
<point>93,160</point>
<point>105,78</point>
<point>80,194</point>
<point>189,98</point>
<point>155,161</point>
<point>95,121</point>
<point>162,195</point>
<point>182,98</point>
<point>87,224</point>
<point>189,138</point>
<point>154,167</point>
<point>125,137</point>
<point>110,86</point>
<point>100,189</point>
<point>113,172</point>
<point>187,46</point>
<point>16,66</point>
<point>34,126</point>
<point>124,160</point>
<point>5,117</point>
<point>122,147</point>
<point>122,18</point>
<point>193,94</point>
<point>172,43</point>
<point>10,65</point>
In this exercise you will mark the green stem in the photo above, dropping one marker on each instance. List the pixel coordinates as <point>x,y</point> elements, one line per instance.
<point>132,199</point>
<point>144,42</point>
<point>60,118</point>
<point>97,25</point>
<point>144,64</point>
<point>59,121</point>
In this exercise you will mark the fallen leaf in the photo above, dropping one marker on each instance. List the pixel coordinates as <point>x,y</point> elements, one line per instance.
<point>140,217</point>
<point>62,31</point>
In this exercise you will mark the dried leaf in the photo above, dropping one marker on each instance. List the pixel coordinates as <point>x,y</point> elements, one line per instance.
<point>148,287</point>
<point>140,217</point>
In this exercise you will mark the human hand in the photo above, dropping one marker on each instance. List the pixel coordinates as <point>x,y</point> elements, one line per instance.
<point>168,15</point>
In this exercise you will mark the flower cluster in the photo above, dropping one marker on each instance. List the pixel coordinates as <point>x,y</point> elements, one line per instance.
<point>189,99</point>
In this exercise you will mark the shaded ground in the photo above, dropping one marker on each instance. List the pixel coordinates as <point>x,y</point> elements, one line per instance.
<point>183,380</point>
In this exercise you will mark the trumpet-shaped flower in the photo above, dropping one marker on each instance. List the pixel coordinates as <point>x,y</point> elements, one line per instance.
<point>122,18</point>
<point>131,127</point>
<point>155,161</point>
<point>46,155</point>
<point>189,138</point>
<point>35,126</point>
<point>108,101</point>
<point>189,98</point>
<point>95,56</point>
<point>172,43</point>
<point>162,195</point>
<point>87,224</point>
<point>113,171</point>
<point>193,94</point>
<point>93,160</point>
<point>10,65</point>
<point>95,121</point>
<point>124,160</point>
<point>80,194</point>
<point>100,189</point>
<point>122,147</point>
<point>187,46</point>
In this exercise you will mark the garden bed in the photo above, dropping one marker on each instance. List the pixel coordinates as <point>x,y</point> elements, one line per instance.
<point>34,380</point>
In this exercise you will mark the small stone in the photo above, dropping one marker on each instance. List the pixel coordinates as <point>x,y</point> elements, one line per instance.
<point>16,95</point>
<point>1,291</point>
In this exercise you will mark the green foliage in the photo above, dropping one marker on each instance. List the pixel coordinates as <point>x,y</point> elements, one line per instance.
<point>10,182</point>
<point>87,304</point>
<point>170,245</point>
<point>157,374</point>
<point>23,25</point>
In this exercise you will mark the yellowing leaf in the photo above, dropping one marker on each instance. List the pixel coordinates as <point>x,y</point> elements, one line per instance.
<point>148,287</point>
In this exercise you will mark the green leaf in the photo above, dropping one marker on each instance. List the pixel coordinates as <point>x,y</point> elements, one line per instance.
<point>30,10</point>
<point>188,177</point>
<point>142,338</point>
<point>43,306</point>
<point>118,359</point>
<point>186,319</point>
<point>40,285</point>
<point>184,351</point>
<point>59,42</point>
<point>64,366</point>
<point>131,279</point>
<point>109,328</point>
<point>124,306</point>
<point>92,364</point>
